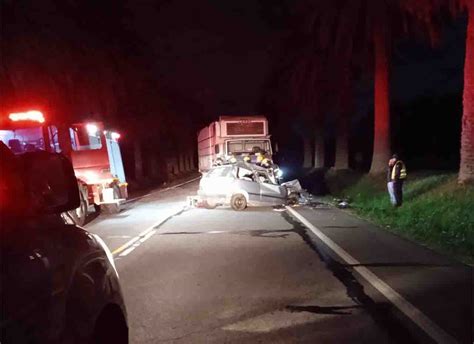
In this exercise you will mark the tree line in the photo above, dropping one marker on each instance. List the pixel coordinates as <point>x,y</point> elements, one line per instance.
<point>331,47</point>
<point>78,60</point>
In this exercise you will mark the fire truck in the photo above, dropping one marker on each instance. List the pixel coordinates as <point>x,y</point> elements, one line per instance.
<point>93,150</point>
<point>233,136</point>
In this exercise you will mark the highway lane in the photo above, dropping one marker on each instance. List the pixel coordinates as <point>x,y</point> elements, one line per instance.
<point>220,276</point>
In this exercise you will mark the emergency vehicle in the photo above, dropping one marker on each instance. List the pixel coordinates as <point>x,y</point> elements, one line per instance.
<point>93,150</point>
<point>233,136</point>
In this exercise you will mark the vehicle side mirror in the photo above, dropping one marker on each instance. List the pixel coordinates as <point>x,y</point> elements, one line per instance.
<point>50,182</point>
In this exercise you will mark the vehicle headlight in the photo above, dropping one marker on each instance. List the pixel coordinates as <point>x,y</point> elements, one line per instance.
<point>279,173</point>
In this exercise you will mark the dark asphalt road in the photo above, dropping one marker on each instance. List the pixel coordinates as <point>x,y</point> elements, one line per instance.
<point>220,276</point>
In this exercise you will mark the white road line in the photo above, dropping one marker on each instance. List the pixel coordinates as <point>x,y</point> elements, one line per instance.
<point>127,251</point>
<point>124,248</point>
<point>418,317</point>
<point>148,236</point>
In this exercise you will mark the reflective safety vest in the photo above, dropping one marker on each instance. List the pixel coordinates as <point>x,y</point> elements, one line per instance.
<point>403,170</point>
<point>266,162</point>
<point>260,158</point>
<point>247,158</point>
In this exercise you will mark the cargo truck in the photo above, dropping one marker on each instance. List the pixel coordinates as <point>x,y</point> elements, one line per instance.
<point>233,137</point>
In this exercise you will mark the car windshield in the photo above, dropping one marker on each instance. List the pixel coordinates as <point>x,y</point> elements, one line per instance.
<point>23,139</point>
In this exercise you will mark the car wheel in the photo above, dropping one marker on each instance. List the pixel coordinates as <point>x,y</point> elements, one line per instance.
<point>238,202</point>
<point>293,198</point>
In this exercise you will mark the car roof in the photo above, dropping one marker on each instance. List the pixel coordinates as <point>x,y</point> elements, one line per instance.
<point>242,164</point>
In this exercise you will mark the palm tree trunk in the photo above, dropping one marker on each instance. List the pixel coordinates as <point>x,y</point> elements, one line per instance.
<point>319,155</point>
<point>466,170</point>
<point>138,158</point>
<point>181,165</point>
<point>306,153</point>
<point>342,143</point>
<point>381,150</point>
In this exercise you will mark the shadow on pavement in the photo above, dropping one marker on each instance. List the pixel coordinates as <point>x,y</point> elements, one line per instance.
<point>339,310</point>
<point>382,313</point>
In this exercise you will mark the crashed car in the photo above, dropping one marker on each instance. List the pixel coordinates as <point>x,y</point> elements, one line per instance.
<point>240,185</point>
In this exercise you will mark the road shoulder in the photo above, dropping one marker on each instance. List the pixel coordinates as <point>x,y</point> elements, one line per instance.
<point>438,287</point>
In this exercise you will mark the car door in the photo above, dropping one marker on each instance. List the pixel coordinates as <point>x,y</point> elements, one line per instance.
<point>246,181</point>
<point>26,284</point>
<point>270,193</point>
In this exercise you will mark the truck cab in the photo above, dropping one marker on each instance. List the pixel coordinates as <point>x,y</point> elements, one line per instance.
<point>93,151</point>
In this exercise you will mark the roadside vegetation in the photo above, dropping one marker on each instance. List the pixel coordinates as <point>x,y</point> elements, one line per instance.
<point>437,212</point>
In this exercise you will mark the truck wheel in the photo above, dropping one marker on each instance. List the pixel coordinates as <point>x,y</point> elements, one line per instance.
<point>238,202</point>
<point>116,192</point>
<point>79,214</point>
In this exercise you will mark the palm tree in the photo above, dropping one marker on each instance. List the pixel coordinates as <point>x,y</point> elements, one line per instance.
<point>466,170</point>
<point>371,26</point>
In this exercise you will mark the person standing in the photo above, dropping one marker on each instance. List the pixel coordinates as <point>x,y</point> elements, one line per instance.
<point>396,175</point>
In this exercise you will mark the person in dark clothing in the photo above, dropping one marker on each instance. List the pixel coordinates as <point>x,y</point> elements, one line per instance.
<point>396,175</point>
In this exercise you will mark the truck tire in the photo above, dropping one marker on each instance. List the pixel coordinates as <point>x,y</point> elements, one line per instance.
<point>117,193</point>
<point>238,202</point>
<point>79,215</point>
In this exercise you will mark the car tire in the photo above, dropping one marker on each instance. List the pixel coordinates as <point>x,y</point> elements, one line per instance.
<point>293,198</point>
<point>238,202</point>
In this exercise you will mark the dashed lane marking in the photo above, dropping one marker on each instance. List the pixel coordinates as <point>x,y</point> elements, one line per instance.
<point>417,316</point>
<point>130,245</point>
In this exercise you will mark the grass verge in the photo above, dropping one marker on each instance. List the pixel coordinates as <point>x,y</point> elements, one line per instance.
<point>437,212</point>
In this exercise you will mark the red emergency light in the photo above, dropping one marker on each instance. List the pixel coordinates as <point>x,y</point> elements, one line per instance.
<point>32,115</point>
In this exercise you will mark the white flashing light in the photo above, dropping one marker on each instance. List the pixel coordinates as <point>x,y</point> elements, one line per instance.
<point>91,129</point>
<point>32,115</point>
<point>115,136</point>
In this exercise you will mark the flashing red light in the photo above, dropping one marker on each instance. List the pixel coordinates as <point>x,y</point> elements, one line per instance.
<point>32,115</point>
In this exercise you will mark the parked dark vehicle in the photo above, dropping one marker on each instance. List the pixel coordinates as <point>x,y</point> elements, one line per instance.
<point>58,282</point>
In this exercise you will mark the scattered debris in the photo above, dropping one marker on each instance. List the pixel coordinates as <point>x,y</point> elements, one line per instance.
<point>343,205</point>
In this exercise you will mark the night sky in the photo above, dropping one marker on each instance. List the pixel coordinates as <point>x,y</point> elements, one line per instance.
<point>217,52</point>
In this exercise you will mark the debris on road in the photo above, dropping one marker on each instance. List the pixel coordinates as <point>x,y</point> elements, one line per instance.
<point>343,203</point>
